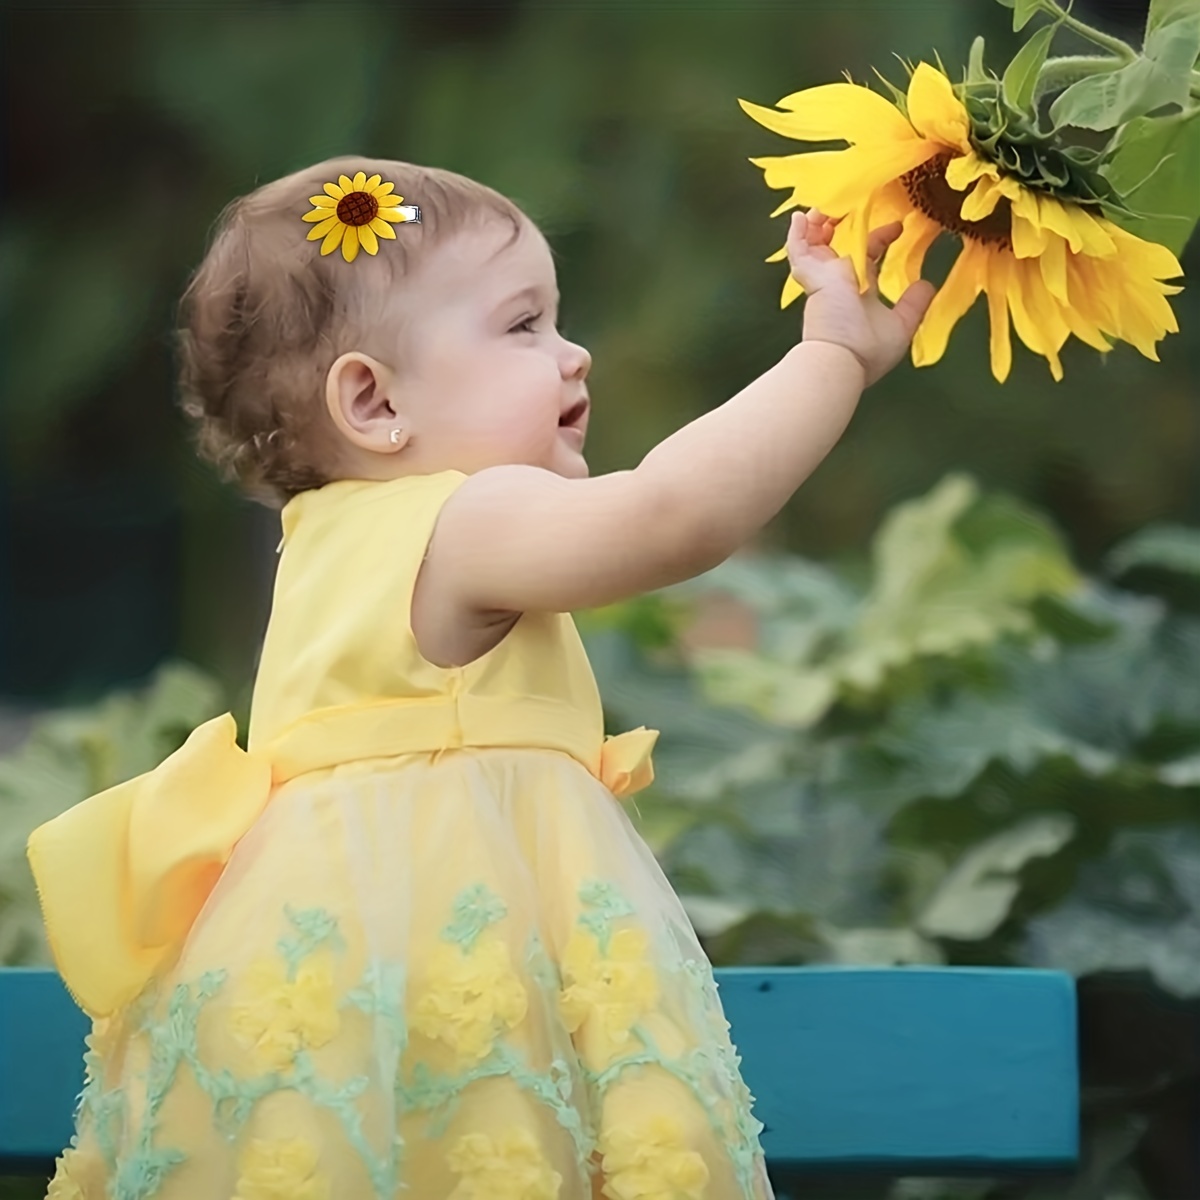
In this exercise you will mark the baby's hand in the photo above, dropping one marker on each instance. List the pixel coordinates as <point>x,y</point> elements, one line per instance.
<point>836,311</point>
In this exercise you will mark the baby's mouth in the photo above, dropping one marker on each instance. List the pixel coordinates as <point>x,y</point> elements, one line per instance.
<point>573,414</point>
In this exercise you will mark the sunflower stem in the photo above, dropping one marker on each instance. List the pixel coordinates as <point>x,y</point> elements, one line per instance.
<point>1097,37</point>
<point>1058,73</point>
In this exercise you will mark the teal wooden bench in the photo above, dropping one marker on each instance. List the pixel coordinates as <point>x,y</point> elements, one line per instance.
<point>906,1071</point>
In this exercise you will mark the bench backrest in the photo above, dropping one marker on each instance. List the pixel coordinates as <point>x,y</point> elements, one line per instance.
<point>906,1071</point>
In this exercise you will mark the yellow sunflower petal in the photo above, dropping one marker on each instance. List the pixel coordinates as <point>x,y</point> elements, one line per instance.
<point>323,201</point>
<point>350,243</point>
<point>1029,236</point>
<point>954,298</point>
<point>1079,314</point>
<point>834,111</point>
<point>935,111</point>
<point>1035,314</point>
<point>320,214</point>
<point>367,239</point>
<point>1156,261</point>
<point>791,290</point>
<point>1054,269</point>
<point>383,229</point>
<point>778,256</point>
<point>332,189</point>
<point>981,200</point>
<point>850,240</point>
<point>835,181</point>
<point>905,256</point>
<point>319,231</point>
<point>346,183</point>
<point>1090,294</point>
<point>359,181</point>
<point>371,184</point>
<point>999,337</point>
<point>390,214</point>
<point>333,239</point>
<point>962,171</point>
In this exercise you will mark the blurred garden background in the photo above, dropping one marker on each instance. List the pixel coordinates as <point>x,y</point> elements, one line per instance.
<point>947,711</point>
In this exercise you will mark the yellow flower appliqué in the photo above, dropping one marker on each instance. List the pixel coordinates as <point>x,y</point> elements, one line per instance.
<point>470,998</point>
<point>509,1167</point>
<point>280,1017</point>
<point>356,212</point>
<point>280,1170</point>
<point>605,994</point>
<point>651,1163</point>
<point>79,1175</point>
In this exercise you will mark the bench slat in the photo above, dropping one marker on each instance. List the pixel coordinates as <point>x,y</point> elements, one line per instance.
<point>909,1071</point>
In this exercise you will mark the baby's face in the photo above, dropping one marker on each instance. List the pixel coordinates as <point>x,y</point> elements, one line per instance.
<point>494,381</point>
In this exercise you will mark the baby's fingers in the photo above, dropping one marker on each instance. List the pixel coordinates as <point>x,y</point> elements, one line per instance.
<point>880,239</point>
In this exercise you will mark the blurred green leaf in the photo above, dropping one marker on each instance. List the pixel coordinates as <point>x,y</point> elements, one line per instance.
<point>975,897</point>
<point>1166,194</point>
<point>1159,76</point>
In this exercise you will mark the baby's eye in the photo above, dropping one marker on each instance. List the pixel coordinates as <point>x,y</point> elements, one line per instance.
<point>522,327</point>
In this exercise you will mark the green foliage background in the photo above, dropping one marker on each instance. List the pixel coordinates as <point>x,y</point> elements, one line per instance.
<point>980,743</point>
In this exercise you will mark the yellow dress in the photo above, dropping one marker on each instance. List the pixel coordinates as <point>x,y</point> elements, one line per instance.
<point>409,944</point>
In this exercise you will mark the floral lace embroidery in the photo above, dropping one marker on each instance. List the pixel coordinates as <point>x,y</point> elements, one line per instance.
<point>280,1016</point>
<point>509,1167</point>
<point>651,1163</point>
<point>280,1170</point>
<point>607,987</point>
<point>471,998</point>
<point>607,991</point>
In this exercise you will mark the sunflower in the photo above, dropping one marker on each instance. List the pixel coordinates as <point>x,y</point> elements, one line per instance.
<point>1052,262</point>
<point>355,212</point>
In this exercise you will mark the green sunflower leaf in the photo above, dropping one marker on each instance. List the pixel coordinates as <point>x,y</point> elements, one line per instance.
<point>1160,76</point>
<point>1021,76</point>
<point>976,71</point>
<point>1154,165</point>
<point>1024,11</point>
<point>1163,12</point>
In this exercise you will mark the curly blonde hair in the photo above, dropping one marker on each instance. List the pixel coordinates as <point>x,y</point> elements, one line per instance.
<point>265,315</point>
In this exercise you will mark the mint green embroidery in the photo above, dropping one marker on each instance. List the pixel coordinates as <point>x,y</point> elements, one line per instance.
<point>475,908</point>
<point>314,926</point>
<point>381,994</point>
<point>439,1094</point>
<point>700,1068</point>
<point>604,904</point>
<point>710,1070</point>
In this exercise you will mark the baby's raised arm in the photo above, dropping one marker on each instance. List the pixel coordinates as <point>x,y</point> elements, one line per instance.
<point>517,538</point>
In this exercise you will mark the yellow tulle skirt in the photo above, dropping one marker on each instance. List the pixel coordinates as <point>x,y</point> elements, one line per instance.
<point>455,979</point>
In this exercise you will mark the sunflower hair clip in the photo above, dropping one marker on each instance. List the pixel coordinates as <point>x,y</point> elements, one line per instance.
<point>356,213</point>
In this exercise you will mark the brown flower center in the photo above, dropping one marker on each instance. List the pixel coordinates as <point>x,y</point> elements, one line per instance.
<point>929,191</point>
<point>357,208</point>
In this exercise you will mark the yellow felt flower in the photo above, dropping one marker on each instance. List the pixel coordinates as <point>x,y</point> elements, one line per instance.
<point>278,1017</point>
<point>469,997</point>
<point>508,1167</point>
<point>605,994</point>
<point>280,1170</point>
<point>356,212</point>
<point>651,1162</point>
<point>1058,268</point>
<point>78,1175</point>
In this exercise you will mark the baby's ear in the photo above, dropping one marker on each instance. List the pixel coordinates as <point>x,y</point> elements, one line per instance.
<point>356,394</point>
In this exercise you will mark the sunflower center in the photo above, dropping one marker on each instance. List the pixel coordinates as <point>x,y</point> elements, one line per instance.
<point>357,208</point>
<point>929,191</point>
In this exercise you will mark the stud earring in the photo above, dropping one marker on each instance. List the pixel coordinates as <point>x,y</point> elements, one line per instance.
<point>395,437</point>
